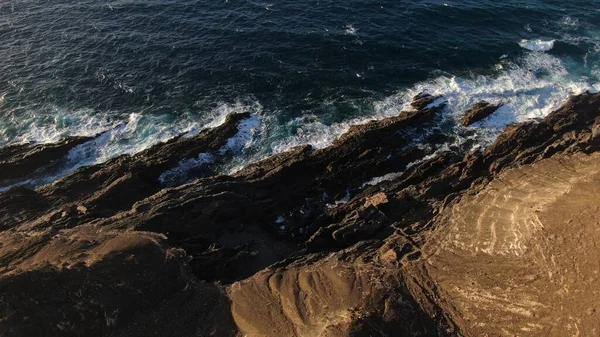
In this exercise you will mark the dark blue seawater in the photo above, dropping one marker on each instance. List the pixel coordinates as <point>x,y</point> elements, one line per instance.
<point>148,70</point>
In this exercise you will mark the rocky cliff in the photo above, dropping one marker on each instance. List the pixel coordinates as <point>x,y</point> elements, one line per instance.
<point>499,242</point>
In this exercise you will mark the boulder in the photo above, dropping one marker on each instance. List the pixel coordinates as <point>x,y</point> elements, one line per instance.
<point>478,112</point>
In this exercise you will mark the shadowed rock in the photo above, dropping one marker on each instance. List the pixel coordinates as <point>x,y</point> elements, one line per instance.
<point>89,282</point>
<point>478,112</point>
<point>422,100</point>
<point>20,160</point>
<point>117,184</point>
<point>457,244</point>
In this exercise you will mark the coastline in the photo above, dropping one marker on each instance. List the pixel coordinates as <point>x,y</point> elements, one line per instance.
<point>276,250</point>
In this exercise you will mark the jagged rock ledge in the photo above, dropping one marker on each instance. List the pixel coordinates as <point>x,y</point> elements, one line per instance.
<point>478,112</point>
<point>20,160</point>
<point>478,243</point>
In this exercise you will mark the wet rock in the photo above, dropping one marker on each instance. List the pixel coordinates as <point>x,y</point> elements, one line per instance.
<point>479,111</point>
<point>422,100</point>
<point>118,183</point>
<point>131,256</point>
<point>20,160</point>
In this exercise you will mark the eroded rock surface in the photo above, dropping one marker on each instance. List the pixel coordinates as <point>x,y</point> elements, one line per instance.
<point>498,242</point>
<point>19,160</point>
<point>478,112</point>
<point>515,258</point>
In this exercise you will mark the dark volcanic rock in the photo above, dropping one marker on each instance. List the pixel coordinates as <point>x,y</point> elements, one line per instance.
<point>478,112</point>
<point>117,184</point>
<point>108,250</point>
<point>17,161</point>
<point>422,100</point>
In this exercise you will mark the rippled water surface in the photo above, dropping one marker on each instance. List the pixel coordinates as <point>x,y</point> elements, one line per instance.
<point>147,70</point>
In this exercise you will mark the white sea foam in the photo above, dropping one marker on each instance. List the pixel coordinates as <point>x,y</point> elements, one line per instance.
<point>345,199</point>
<point>129,135</point>
<point>569,22</point>
<point>52,124</point>
<point>137,133</point>
<point>217,116</point>
<point>248,130</point>
<point>530,88</point>
<point>537,45</point>
<point>378,180</point>
<point>20,183</point>
<point>173,176</point>
<point>312,131</point>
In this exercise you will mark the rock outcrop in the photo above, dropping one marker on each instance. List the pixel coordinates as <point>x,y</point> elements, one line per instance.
<point>20,160</point>
<point>478,112</point>
<point>498,242</point>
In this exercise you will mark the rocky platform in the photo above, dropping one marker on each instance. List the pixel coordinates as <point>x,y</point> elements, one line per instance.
<point>499,242</point>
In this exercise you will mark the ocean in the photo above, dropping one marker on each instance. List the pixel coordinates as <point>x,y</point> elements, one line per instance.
<point>145,71</point>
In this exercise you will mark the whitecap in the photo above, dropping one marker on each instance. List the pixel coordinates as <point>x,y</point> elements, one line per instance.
<point>312,131</point>
<point>132,134</point>
<point>569,22</point>
<point>248,131</point>
<point>52,123</point>
<point>530,88</point>
<point>537,45</point>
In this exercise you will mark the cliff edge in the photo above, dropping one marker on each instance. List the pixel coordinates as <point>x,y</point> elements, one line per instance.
<point>493,242</point>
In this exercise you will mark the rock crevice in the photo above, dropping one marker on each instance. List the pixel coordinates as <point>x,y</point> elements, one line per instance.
<point>461,243</point>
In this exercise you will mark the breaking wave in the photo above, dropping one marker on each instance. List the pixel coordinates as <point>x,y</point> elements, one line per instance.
<point>537,45</point>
